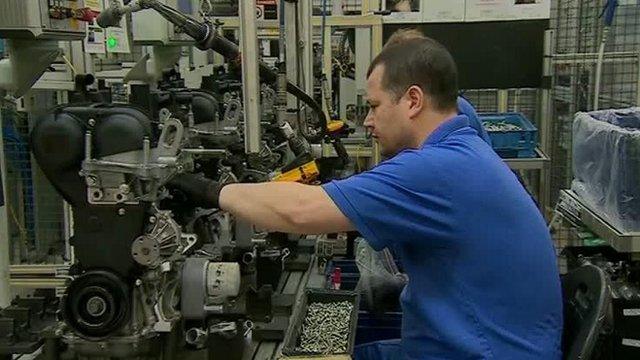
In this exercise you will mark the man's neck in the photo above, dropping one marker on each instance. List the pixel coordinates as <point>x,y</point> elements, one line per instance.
<point>429,123</point>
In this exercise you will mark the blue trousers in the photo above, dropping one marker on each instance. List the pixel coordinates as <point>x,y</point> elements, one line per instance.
<point>379,350</point>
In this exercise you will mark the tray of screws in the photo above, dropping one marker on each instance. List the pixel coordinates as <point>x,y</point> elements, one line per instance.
<point>325,325</point>
<point>500,126</point>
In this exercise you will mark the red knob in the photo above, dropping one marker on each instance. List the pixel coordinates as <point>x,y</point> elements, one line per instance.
<point>336,278</point>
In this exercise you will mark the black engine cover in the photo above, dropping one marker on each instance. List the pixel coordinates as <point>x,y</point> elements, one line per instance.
<point>102,233</point>
<point>203,102</point>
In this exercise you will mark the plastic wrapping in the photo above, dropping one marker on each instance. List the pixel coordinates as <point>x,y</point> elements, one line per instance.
<point>380,280</point>
<point>606,165</point>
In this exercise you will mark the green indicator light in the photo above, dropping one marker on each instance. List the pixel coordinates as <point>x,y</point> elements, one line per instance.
<point>112,42</point>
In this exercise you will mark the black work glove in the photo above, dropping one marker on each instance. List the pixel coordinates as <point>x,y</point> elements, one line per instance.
<point>198,190</point>
<point>384,294</point>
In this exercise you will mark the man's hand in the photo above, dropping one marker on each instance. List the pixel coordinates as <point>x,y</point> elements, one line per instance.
<point>199,191</point>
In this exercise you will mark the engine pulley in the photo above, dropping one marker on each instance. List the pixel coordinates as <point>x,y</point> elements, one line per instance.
<point>96,304</point>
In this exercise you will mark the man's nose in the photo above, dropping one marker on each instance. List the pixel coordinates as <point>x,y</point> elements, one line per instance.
<point>368,120</point>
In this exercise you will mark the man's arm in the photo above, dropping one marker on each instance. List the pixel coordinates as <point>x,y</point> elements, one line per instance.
<point>285,207</point>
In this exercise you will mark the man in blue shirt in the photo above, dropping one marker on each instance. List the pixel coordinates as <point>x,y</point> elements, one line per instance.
<point>483,281</point>
<point>464,106</point>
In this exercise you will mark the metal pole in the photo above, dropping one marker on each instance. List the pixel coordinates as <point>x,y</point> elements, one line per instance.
<point>363,58</point>
<point>323,26</point>
<point>68,232</point>
<point>546,112</point>
<point>326,63</point>
<point>638,83</point>
<point>599,64</point>
<point>376,48</point>
<point>292,49</point>
<point>366,7</point>
<point>376,39</point>
<point>503,100</point>
<point>545,97</point>
<point>281,32</point>
<point>5,291</point>
<point>306,26</point>
<point>250,77</point>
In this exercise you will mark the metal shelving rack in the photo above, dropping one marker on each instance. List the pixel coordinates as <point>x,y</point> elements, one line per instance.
<point>576,211</point>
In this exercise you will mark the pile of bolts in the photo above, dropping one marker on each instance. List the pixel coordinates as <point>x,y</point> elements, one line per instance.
<point>325,329</point>
<point>500,126</point>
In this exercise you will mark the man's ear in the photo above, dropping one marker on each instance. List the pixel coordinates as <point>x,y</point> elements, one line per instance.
<point>416,98</point>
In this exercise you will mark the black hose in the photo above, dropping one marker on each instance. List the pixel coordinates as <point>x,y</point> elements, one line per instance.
<point>300,94</point>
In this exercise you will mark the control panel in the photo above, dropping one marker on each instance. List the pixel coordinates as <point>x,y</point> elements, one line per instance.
<point>44,19</point>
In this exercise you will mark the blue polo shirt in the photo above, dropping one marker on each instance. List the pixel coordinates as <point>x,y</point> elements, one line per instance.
<point>483,280</point>
<point>465,108</point>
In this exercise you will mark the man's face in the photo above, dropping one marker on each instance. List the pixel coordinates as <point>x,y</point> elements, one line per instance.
<point>387,120</point>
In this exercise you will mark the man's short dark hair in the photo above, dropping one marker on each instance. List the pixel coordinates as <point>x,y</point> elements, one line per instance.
<point>404,34</point>
<point>423,62</point>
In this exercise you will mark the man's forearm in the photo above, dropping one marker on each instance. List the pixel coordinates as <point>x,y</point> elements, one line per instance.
<point>266,205</point>
<point>284,207</point>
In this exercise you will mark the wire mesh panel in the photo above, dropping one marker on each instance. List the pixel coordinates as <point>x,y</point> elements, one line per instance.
<point>579,26</point>
<point>36,215</point>
<point>619,86</point>
<point>624,34</point>
<point>525,101</point>
<point>352,6</point>
<point>576,25</point>
<point>19,197</point>
<point>586,79</point>
<point>484,100</point>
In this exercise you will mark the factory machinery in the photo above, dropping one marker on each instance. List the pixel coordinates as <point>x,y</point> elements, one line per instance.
<point>155,276</point>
